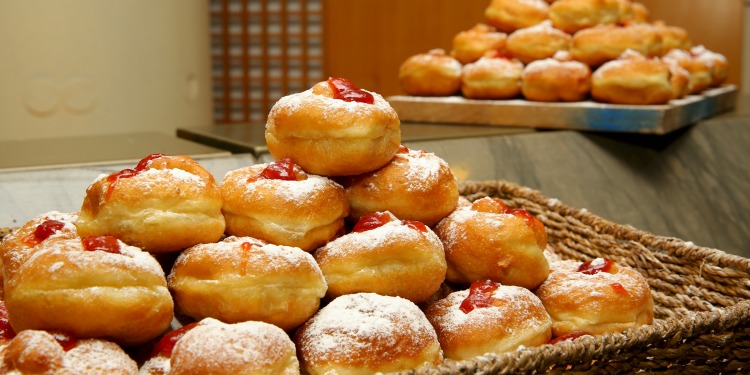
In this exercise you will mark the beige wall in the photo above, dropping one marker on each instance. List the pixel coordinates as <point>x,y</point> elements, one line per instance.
<point>746,51</point>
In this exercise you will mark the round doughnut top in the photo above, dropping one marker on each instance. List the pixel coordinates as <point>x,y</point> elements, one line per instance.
<point>366,328</point>
<point>314,112</point>
<point>421,169</point>
<point>394,231</point>
<point>245,253</point>
<point>517,307</point>
<point>154,180</point>
<point>437,58</point>
<point>543,28</point>
<point>226,347</point>
<point>72,259</point>
<point>586,291</point>
<point>290,191</point>
<point>539,66</point>
<point>700,52</point>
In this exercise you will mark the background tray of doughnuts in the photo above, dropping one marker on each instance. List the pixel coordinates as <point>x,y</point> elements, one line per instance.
<point>586,115</point>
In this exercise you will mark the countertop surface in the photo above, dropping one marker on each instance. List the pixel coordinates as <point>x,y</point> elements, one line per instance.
<point>691,184</point>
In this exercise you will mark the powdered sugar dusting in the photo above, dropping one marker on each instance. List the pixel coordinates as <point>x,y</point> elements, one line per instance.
<point>422,169</point>
<point>297,191</point>
<point>351,325</point>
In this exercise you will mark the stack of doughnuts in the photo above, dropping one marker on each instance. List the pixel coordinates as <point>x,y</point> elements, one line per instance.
<point>330,259</point>
<point>594,32</point>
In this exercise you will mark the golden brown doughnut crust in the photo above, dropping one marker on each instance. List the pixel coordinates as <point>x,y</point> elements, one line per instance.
<point>574,15</point>
<point>592,303</point>
<point>213,347</point>
<point>552,80</point>
<point>304,213</point>
<point>700,70</point>
<point>21,243</point>
<point>516,317</point>
<point>367,333</point>
<point>332,137</point>
<point>433,73</point>
<point>537,42</point>
<point>470,45</point>
<point>597,45</point>
<point>492,77</point>
<point>716,61</point>
<point>37,352</point>
<point>395,259</point>
<point>672,37</point>
<point>511,15</point>
<point>632,81</point>
<point>241,279</point>
<point>172,204</point>
<point>414,185</point>
<point>90,294</point>
<point>485,241</point>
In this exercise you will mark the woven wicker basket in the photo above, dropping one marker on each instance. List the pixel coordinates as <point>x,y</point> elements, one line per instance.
<point>701,295</point>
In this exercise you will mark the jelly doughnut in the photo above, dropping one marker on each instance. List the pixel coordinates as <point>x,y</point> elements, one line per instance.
<point>334,129</point>
<point>718,64</point>
<point>212,347</point>
<point>242,278</point>
<point>414,185</point>
<point>572,16</point>
<point>537,42</point>
<point>384,255</point>
<point>596,297</point>
<point>470,45</point>
<point>433,73</point>
<point>494,76</point>
<point>490,241</point>
<point>165,204</point>
<point>489,318</point>
<point>278,202</point>
<point>557,79</point>
<point>511,15</point>
<point>632,79</point>
<point>91,287</point>
<point>597,45</point>
<point>367,333</point>
<point>41,352</point>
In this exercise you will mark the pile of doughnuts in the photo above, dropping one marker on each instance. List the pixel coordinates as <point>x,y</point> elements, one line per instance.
<point>566,51</point>
<point>330,259</point>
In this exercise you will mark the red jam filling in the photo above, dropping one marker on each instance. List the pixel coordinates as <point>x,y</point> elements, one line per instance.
<point>166,344</point>
<point>569,337</point>
<point>279,170</point>
<point>618,288</point>
<point>127,173</point>
<point>6,331</point>
<point>43,231</point>
<point>102,243</point>
<point>371,221</point>
<point>595,266</point>
<point>418,225</point>
<point>65,340</point>
<point>344,90</point>
<point>402,149</point>
<point>480,295</point>
<point>246,246</point>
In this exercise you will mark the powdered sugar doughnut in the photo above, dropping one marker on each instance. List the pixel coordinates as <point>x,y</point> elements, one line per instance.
<point>557,79</point>
<point>632,79</point>
<point>511,15</point>
<point>597,45</point>
<point>494,76</point>
<point>490,241</point>
<point>384,255</point>
<point>489,318</point>
<point>470,45</point>
<point>595,297</point>
<point>241,279</point>
<point>367,333</point>
<point>21,243</point>
<point>212,347</point>
<point>433,73</point>
<point>716,61</point>
<point>700,70</point>
<point>280,203</point>
<point>334,129</point>
<point>165,204</point>
<point>414,185</point>
<point>672,37</point>
<point>537,42</point>
<point>40,352</point>
<point>95,287</point>
<point>574,15</point>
